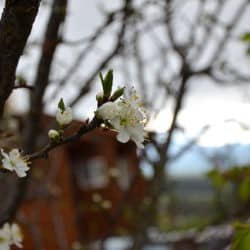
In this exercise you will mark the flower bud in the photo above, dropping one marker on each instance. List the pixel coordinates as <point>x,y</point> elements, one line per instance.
<point>64,117</point>
<point>54,135</point>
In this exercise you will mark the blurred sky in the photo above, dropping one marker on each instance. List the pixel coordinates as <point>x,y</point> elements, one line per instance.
<point>207,103</point>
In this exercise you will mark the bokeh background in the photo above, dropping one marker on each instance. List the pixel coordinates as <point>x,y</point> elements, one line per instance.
<point>189,61</point>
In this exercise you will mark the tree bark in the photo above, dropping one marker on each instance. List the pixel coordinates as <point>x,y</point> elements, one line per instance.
<point>51,40</point>
<point>15,26</point>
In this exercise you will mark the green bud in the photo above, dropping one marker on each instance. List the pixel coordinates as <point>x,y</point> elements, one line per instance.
<point>245,37</point>
<point>107,83</point>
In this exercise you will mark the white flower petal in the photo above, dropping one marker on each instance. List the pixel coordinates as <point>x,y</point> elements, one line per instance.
<point>116,123</point>
<point>10,234</point>
<point>7,165</point>
<point>123,136</point>
<point>108,111</point>
<point>5,233</point>
<point>139,144</point>
<point>14,153</point>
<point>20,172</point>
<point>17,236</point>
<point>6,156</point>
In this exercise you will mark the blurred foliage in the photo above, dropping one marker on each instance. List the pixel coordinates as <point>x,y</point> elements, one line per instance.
<point>245,37</point>
<point>231,194</point>
<point>182,223</point>
<point>241,239</point>
<point>216,177</point>
<point>239,177</point>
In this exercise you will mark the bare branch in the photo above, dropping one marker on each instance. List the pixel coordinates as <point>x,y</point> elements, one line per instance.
<point>106,60</point>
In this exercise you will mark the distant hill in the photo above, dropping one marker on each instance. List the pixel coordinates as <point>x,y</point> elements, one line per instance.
<point>196,161</point>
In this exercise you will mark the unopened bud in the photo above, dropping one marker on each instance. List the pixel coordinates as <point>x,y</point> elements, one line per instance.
<point>54,135</point>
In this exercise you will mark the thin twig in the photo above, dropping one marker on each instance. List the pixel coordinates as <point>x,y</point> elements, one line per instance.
<point>84,129</point>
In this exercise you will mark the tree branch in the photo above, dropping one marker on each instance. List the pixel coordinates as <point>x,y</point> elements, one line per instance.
<point>15,26</point>
<point>84,129</point>
<point>42,79</point>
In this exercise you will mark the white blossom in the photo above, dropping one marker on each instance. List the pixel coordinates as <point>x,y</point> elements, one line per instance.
<point>10,235</point>
<point>108,111</point>
<point>53,134</point>
<point>127,116</point>
<point>64,117</point>
<point>15,162</point>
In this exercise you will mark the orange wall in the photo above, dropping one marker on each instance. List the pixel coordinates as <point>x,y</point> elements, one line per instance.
<point>48,212</point>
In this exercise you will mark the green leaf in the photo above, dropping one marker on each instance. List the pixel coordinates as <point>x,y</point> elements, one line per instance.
<point>117,94</point>
<point>101,78</point>
<point>61,105</point>
<point>107,83</point>
<point>241,240</point>
<point>245,37</point>
<point>244,190</point>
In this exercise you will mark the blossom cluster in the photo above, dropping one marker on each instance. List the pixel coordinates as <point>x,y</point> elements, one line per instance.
<point>10,235</point>
<point>127,116</point>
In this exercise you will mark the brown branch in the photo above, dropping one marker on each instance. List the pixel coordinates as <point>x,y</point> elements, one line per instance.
<point>170,29</point>
<point>188,145</point>
<point>41,82</point>
<point>208,31</point>
<point>107,59</point>
<point>194,26</point>
<point>186,74</point>
<point>84,129</point>
<point>73,68</point>
<point>222,43</point>
<point>15,26</point>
